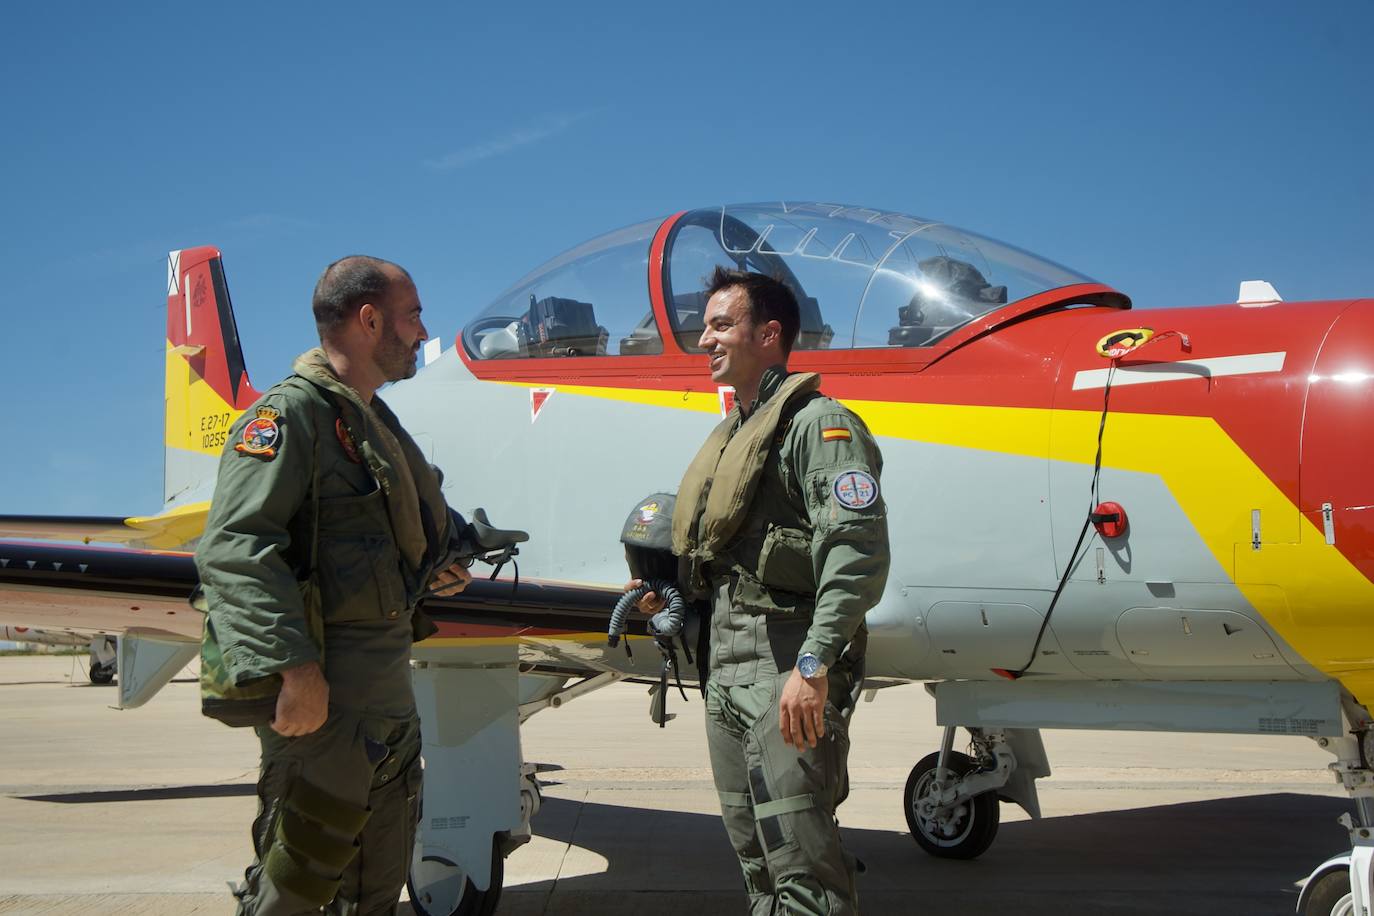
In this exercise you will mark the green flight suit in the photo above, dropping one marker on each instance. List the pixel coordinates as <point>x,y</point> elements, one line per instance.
<point>337,808</point>
<point>809,558</point>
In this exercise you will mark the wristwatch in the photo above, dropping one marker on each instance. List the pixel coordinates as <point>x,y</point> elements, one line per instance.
<point>810,665</point>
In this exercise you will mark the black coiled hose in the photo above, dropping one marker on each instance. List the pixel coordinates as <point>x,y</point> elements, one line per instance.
<point>666,623</point>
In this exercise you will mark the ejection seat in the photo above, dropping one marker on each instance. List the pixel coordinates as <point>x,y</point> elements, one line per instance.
<point>555,326</point>
<point>956,292</point>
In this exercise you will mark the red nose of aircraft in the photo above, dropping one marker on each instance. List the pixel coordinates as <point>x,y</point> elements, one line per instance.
<point>1336,489</point>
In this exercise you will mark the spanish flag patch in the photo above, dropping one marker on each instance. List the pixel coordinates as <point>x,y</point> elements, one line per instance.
<point>835,434</point>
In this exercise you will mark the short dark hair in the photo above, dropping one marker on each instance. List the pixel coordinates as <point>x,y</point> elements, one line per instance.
<point>347,285</point>
<point>769,299</point>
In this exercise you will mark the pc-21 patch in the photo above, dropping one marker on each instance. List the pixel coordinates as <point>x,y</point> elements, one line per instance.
<point>855,489</point>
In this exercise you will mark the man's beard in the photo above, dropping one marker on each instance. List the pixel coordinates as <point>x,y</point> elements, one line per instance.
<point>394,358</point>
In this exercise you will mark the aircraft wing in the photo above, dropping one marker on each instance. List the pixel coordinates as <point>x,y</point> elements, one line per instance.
<point>558,626</point>
<point>167,530</point>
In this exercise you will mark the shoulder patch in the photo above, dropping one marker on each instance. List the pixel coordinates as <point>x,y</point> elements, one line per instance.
<point>261,434</point>
<point>855,489</point>
<point>835,434</point>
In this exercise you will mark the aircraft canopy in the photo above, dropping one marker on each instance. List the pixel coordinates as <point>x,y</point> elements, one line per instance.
<point>863,278</point>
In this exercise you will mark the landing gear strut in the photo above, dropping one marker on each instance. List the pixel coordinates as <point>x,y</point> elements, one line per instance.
<point>1342,885</point>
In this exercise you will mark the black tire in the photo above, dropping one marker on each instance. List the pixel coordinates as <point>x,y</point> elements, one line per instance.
<point>969,833</point>
<point>1329,895</point>
<point>102,674</point>
<point>473,902</point>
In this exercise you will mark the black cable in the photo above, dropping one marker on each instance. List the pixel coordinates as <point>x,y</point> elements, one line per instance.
<point>1087,523</point>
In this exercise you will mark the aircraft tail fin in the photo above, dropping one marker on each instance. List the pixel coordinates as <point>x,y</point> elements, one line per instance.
<point>207,382</point>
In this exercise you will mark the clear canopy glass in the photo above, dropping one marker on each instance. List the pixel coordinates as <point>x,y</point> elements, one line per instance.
<point>863,278</point>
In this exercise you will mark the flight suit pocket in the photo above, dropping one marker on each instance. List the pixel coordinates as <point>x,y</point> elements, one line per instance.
<point>759,598</point>
<point>785,560</point>
<point>358,564</point>
<point>348,582</point>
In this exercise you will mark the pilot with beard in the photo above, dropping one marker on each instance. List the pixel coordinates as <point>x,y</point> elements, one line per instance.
<point>327,527</point>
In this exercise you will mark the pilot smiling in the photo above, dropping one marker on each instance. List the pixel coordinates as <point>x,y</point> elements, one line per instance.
<point>780,523</point>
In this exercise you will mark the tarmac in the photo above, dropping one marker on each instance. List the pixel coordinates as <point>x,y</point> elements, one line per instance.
<point>146,812</point>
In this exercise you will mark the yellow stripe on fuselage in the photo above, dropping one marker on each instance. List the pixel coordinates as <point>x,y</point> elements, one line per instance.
<point>1306,589</point>
<point>679,400</point>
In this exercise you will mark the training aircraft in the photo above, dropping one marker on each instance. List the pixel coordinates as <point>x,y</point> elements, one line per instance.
<point>1100,518</point>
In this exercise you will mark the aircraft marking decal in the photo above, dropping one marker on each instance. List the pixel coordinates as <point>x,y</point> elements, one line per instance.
<point>1211,367</point>
<point>538,398</point>
<point>197,417</point>
<point>174,273</point>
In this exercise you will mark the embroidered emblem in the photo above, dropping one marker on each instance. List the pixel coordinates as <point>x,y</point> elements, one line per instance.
<point>346,440</point>
<point>835,434</point>
<point>855,489</point>
<point>261,435</point>
<point>648,512</point>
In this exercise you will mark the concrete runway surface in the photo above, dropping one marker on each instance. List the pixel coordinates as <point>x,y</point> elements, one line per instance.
<point>147,812</point>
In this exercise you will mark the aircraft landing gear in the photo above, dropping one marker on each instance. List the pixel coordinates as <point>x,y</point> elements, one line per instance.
<point>439,887</point>
<point>1344,885</point>
<point>103,660</point>
<point>1328,895</point>
<point>951,799</point>
<point>961,831</point>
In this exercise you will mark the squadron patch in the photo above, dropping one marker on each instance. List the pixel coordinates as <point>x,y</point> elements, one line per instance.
<point>855,489</point>
<point>346,440</point>
<point>835,434</point>
<point>648,512</point>
<point>261,434</point>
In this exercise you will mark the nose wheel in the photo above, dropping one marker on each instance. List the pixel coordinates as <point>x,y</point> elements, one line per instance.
<point>949,829</point>
<point>441,887</point>
<point>1329,895</point>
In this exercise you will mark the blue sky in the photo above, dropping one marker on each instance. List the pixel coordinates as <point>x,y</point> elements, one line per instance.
<point>1170,149</point>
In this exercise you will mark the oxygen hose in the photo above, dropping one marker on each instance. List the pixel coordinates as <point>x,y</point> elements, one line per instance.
<point>666,623</point>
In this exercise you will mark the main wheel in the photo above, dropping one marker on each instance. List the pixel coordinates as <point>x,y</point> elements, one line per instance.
<point>439,887</point>
<point>964,832</point>
<point>102,674</point>
<point>1330,895</point>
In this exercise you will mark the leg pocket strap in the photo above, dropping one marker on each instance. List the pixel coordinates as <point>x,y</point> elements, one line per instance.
<point>309,842</point>
<point>294,876</point>
<point>323,808</point>
<point>734,800</point>
<point>787,805</point>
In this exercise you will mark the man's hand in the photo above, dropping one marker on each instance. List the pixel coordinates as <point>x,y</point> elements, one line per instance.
<point>450,581</point>
<point>303,704</point>
<point>651,603</point>
<point>801,710</point>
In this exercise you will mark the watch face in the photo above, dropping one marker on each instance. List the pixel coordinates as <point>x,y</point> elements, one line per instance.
<point>808,665</point>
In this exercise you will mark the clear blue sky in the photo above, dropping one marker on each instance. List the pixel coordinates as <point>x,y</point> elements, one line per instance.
<point>1170,149</point>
